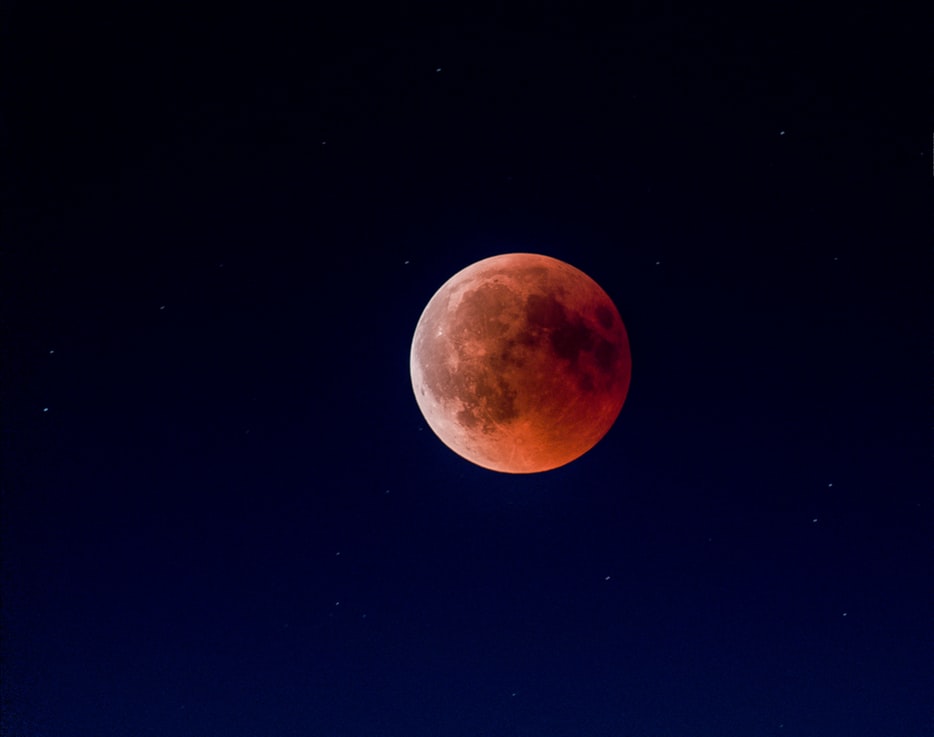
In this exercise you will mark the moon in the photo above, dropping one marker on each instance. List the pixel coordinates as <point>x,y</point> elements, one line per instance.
<point>520,363</point>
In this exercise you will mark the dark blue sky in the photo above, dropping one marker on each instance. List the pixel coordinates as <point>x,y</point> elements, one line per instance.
<point>223,513</point>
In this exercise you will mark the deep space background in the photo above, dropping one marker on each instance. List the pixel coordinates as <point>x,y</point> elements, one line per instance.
<point>222,512</point>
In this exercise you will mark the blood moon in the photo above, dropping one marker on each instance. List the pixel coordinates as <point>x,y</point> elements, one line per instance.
<point>520,363</point>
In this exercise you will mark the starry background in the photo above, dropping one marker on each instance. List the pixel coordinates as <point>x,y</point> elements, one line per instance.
<point>223,513</point>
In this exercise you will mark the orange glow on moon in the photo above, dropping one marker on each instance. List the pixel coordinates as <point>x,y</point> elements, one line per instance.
<point>520,363</point>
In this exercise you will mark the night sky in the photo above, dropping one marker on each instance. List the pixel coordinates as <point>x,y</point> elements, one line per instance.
<point>222,511</point>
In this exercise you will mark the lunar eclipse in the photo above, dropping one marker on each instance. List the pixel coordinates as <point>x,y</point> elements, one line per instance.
<point>520,363</point>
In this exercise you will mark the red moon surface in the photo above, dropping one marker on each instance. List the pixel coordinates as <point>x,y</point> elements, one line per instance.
<point>520,363</point>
